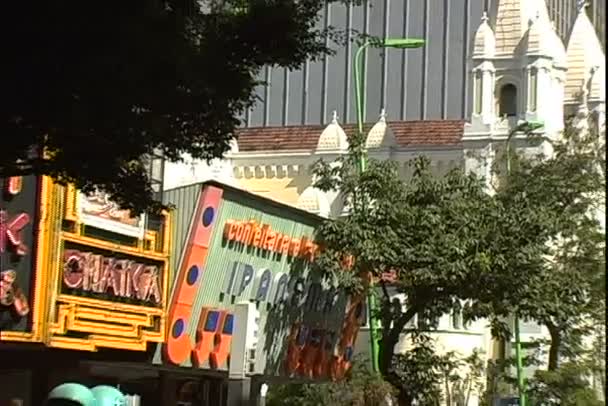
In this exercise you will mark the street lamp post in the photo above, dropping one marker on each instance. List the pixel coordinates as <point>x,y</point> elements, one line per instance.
<point>400,43</point>
<point>527,127</point>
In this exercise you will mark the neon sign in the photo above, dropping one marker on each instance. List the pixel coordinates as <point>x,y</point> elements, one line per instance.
<point>10,232</point>
<point>12,242</point>
<point>11,295</point>
<point>126,278</point>
<point>261,236</point>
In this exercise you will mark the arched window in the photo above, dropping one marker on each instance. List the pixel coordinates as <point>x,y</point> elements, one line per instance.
<point>507,100</point>
<point>478,96</point>
<point>533,89</point>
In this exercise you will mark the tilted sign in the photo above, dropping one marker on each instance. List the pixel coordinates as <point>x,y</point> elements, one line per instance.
<point>236,251</point>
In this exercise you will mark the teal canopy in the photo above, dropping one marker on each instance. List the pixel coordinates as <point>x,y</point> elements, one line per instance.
<point>74,392</point>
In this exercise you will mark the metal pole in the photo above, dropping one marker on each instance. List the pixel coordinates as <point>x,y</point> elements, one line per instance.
<point>518,355</point>
<point>371,299</point>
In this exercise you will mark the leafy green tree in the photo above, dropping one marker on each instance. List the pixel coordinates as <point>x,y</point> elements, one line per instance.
<point>563,386</point>
<point>473,380</point>
<point>90,91</point>
<point>443,237</point>
<point>421,374</point>
<point>565,190</point>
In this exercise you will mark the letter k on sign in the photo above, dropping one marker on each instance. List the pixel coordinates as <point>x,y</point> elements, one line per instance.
<point>10,231</point>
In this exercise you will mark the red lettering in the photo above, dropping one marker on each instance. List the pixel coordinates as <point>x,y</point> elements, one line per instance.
<point>11,294</point>
<point>14,185</point>
<point>10,232</point>
<point>122,277</point>
<point>262,236</point>
<point>229,230</point>
<point>257,236</point>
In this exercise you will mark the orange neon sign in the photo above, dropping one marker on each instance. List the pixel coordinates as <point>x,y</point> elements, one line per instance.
<point>251,233</point>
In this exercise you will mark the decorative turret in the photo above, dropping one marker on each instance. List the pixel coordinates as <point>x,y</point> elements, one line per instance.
<point>585,92</point>
<point>315,201</point>
<point>381,135</point>
<point>512,20</point>
<point>333,138</point>
<point>484,74</point>
<point>485,41</point>
<point>558,48</point>
<point>540,41</point>
<point>586,62</point>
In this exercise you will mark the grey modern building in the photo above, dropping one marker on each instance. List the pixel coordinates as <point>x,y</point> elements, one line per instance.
<point>429,83</point>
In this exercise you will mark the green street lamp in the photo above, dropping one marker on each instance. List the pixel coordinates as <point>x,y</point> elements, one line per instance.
<point>525,127</point>
<point>400,43</point>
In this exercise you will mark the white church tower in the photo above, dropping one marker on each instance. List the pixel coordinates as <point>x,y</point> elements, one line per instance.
<point>519,74</point>
<point>585,90</point>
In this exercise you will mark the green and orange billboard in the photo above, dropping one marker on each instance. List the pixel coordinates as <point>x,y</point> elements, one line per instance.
<point>232,247</point>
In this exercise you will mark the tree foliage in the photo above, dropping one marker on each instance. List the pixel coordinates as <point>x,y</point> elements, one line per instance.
<point>534,248</point>
<point>360,388</point>
<point>566,191</point>
<point>90,91</point>
<point>445,239</point>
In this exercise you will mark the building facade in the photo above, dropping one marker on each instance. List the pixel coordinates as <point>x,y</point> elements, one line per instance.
<point>432,83</point>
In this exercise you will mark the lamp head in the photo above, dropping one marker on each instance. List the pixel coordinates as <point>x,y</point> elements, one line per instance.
<point>404,43</point>
<point>528,126</point>
<point>400,43</point>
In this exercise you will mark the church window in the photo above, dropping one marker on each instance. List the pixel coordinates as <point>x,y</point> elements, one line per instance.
<point>533,89</point>
<point>508,100</point>
<point>478,92</point>
<point>456,319</point>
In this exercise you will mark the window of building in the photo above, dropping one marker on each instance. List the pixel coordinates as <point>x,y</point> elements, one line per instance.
<point>427,323</point>
<point>456,319</point>
<point>155,166</point>
<point>478,92</point>
<point>508,100</point>
<point>533,89</point>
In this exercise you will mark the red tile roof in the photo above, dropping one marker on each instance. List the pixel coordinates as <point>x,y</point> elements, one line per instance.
<point>305,137</point>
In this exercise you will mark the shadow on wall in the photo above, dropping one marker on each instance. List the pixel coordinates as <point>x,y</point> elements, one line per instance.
<point>312,332</point>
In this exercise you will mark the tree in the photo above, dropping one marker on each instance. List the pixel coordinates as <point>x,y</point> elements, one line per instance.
<point>443,237</point>
<point>566,190</point>
<point>564,386</point>
<point>360,388</point>
<point>422,375</point>
<point>473,381</point>
<point>90,92</point>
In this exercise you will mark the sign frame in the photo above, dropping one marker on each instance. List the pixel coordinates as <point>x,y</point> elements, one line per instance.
<point>99,221</point>
<point>43,224</point>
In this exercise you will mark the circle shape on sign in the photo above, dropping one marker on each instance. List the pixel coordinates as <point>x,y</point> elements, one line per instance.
<point>178,328</point>
<point>208,215</point>
<point>192,275</point>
